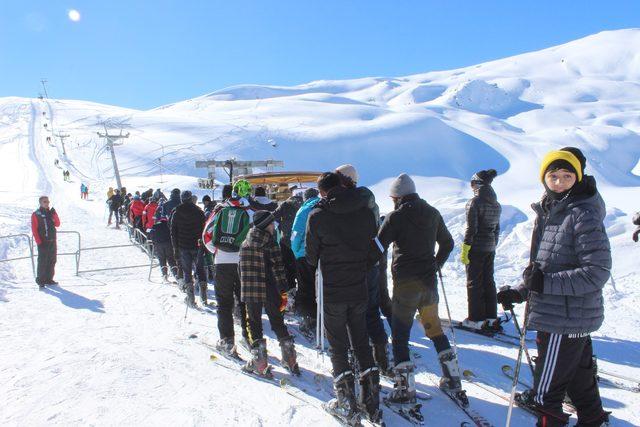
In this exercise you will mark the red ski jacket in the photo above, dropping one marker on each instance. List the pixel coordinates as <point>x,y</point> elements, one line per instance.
<point>147,215</point>
<point>43,225</point>
<point>136,209</point>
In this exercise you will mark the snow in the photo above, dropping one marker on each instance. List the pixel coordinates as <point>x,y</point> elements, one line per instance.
<point>113,348</point>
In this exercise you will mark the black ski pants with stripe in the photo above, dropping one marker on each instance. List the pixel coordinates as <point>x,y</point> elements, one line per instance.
<point>565,365</point>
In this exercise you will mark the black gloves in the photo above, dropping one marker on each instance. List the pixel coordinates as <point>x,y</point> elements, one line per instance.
<point>509,296</point>
<point>534,278</point>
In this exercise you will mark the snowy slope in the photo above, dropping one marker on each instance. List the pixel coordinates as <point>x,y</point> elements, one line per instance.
<point>111,348</point>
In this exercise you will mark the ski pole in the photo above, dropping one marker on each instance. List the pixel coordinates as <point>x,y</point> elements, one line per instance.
<point>319,310</point>
<point>446,303</point>
<point>516,373</point>
<point>526,350</point>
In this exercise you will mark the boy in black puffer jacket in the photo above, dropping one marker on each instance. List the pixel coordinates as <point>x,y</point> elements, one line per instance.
<point>569,265</point>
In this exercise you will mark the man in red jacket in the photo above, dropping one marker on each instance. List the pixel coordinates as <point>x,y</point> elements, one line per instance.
<point>136,210</point>
<point>43,226</point>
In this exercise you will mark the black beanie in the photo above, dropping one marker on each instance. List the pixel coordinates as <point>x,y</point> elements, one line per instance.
<point>262,219</point>
<point>484,176</point>
<point>310,193</point>
<point>260,191</point>
<point>227,190</point>
<point>206,198</point>
<point>576,152</point>
<point>186,196</point>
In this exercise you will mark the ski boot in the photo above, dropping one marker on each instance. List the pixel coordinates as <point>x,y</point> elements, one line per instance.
<point>404,387</point>
<point>226,347</point>
<point>492,326</point>
<point>369,401</point>
<point>450,382</point>
<point>259,364</point>
<point>344,406</point>
<point>289,361</point>
<point>380,356</point>
<point>600,421</point>
<point>190,299</point>
<point>473,324</point>
<point>203,293</point>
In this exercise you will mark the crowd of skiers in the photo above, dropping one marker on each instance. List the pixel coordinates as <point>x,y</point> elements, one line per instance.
<point>259,253</point>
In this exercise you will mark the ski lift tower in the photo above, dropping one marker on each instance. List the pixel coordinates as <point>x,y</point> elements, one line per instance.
<point>112,140</point>
<point>235,167</point>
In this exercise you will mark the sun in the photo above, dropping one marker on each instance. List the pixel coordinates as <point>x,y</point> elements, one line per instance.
<point>74,15</point>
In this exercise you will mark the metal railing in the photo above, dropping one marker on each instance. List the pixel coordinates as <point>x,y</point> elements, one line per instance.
<point>136,237</point>
<point>29,242</point>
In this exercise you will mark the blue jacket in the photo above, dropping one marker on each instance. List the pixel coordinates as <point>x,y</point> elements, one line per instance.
<point>300,227</point>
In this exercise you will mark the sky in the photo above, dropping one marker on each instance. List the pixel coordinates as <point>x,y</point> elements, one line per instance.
<point>146,53</point>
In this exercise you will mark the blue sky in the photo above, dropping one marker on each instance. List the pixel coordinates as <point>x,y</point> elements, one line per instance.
<point>146,53</point>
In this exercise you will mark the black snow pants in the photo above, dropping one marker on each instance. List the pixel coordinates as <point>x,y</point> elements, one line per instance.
<point>383,289</point>
<point>164,252</point>
<point>47,256</point>
<point>346,327</point>
<point>565,366</point>
<point>481,288</point>
<point>375,327</point>
<point>306,293</point>
<point>227,285</point>
<point>276,318</point>
<point>289,261</point>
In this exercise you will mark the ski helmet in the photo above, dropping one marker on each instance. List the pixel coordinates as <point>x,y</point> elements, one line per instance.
<point>242,188</point>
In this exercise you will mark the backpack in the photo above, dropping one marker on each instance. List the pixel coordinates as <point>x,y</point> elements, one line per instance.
<point>227,229</point>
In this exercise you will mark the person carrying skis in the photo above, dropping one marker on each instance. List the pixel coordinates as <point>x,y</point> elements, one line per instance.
<point>305,305</point>
<point>339,238</point>
<point>223,235</point>
<point>414,228</point>
<point>285,215</point>
<point>44,222</point>
<point>187,224</point>
<point>162,247</point>
<point>115,202</point>
<point>264,285</point>
<point>479,250</point>
<point>375,328</point>
<point>570,263</point>
<point>636,221</point>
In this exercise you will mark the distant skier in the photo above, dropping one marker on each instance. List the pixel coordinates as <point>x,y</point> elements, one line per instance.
<point>44,222</point>
<point>82,191</point>
<point>570,263</point>
<point>264,285</point>
<point>340,233</point>
<point>305,305</point>
<point>187,224</point>
<point>636,221</point>
<point>414,227</point>
<point>479,250</point>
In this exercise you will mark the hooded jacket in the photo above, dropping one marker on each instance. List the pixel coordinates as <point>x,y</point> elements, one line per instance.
<point>261,267</point>
<point>299,229</point>
<point>339,235</point>
<point>187,224</point>
<point>483,220</point>
<point>415,227</point>
<point>570,244</point>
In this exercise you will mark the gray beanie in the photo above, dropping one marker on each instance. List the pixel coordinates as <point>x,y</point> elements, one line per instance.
<point>402,186</point>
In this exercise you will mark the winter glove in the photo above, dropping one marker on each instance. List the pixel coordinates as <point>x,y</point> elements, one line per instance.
<point>534,278</point>
<point>284,299</point>
<point>635,235</point>
<point>464,256</point>
<point>509,296</point>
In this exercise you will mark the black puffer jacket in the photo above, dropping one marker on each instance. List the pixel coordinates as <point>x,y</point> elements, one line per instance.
<point>340,233</point>
<point>187,224</point>
<point>414,228</point>
<point>285,215</point>
<point>116,202</point>
<point>483,220</point>
<point>167,207</point>
<point>570,244</point>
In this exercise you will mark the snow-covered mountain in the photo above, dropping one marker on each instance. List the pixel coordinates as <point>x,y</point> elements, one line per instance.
<point>440,127</point>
